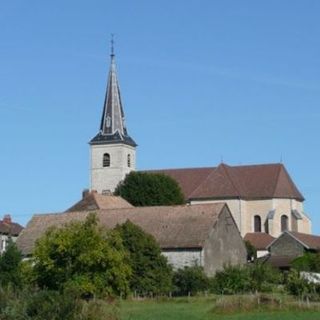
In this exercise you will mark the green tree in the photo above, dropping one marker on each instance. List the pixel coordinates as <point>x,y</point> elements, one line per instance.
<point>308,262</point>
<point>150,270</point>
<point>10,262</point>
<point>263,277</point>
<point>82,257</point>
<point>150,189</point>
<point>190,280</point>
<point>251,251</point>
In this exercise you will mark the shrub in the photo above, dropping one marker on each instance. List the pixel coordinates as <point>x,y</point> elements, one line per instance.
<point>150,189</point>
<point>263,277</point>
<point>300,287</point>
<point>10,262</point>
<point>82,258</point>
<point>190,280</point>
<point>231,280</point>
<point>150,270</point>
<point>309,262</point>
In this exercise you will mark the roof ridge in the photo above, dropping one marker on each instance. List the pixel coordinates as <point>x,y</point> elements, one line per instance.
<point>277,180</point>
<point>229,177</point>
<point>204,181</point>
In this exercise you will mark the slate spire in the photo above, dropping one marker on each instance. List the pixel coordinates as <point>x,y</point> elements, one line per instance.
<point>112,127</point>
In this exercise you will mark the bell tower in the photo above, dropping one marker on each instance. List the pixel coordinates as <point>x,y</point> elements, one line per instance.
<point>113,151</point>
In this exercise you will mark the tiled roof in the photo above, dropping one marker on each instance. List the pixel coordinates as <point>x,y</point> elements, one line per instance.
<point>12,228</point>
<point>94,200</point>
<point>310,241</point>
<point>259,240</point>
<point>172,226</point>
<point>246,182</point>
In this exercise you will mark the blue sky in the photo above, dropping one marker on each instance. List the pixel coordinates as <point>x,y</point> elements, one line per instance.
<point>201,81</point>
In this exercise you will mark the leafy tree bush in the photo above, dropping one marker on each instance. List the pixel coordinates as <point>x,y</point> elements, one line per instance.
<point>82,258</point>
<point>308,262</point>
<point>10,266</point>
<point>150,189</point>
<point>263,277</point>
<point>150,270</point>
<point>300,287</point>
<point>190,280</point>
<point>232,280</point>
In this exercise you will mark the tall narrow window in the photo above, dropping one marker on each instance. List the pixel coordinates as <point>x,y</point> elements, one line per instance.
<point>257,224</point>
<point>106,160</point>
<point>129,160</point>
<point>284,223</point>
<point>266,226</point>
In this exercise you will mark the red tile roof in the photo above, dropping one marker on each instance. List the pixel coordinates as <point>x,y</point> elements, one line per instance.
<point>310,241</point>
<point>259,240</point>
<point>11,228</point>
<point>182,226</point>
<point>94,200</point>
<point>246,182</point>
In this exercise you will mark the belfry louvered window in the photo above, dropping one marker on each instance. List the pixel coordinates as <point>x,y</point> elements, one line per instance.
<point>129,160</point>
<point>257,224</point>
<point>106,160</point>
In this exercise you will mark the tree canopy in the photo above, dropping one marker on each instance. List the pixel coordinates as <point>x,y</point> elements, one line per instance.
<point>10,266</point>
<point>82,257</point>
<point>150,270</point>
<point>150,189</point>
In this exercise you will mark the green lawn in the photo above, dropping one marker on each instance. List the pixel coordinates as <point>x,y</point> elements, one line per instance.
<point>199,309</point>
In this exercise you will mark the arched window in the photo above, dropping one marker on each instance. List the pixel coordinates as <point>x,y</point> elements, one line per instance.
<point>284,223</point>
<point>129,160</point>
<point>106,160</point>
<point>257,224</point>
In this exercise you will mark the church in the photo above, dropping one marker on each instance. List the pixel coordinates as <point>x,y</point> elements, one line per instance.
<point>262,198</point>
<point>223,204</point>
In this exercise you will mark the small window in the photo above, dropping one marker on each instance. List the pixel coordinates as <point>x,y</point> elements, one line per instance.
<point>284,223</point>
<point>106,160</point>
<point>129,160</point>
<point>257,224</point>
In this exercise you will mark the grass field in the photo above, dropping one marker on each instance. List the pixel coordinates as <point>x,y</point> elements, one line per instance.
<point>201,309</point>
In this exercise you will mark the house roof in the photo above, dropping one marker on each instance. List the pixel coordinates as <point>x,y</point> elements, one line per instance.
<point>11,228</point>
<point>262,181</point>
<point>309,241</point>
<point>93,201</point>
<point>278,261</point>
<point>259,240</point>
<point>172,226</point>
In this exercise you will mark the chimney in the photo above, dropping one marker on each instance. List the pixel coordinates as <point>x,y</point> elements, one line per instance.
<point>7,219</point>
<point>85,193</point>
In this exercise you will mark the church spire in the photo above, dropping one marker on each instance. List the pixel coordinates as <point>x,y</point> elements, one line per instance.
<point>112,126</point>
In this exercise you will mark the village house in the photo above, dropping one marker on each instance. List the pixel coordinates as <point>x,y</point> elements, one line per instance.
<point>8,230</point>
<point>204,234</point>
<point>260,241</point>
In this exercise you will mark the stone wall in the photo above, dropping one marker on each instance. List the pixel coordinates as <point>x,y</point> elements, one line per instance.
<point>180,258</point>
<point>286,245</point>
<point>107,178</point>
<point>224,245</point>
